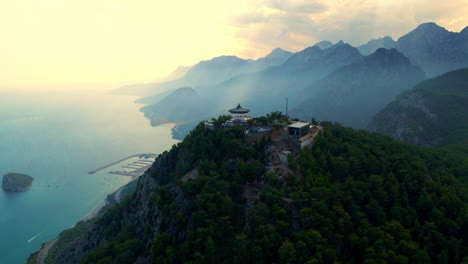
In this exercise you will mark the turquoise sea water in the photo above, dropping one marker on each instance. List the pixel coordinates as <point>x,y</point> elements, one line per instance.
<point>57,138</point>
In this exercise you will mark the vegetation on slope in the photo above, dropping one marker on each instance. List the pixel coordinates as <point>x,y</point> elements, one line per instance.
<point>434,113</point>
<point>353,94</point>
<point>354,197</point>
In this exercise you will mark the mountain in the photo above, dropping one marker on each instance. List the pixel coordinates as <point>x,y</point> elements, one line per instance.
<point>181,106</point>
<point>209,72</point>
<point>430,47</point>
<point>223,195</point>
<point>435,49</point>
<point>322,61</point>
<point>218,69</point>
<point>178,73</point>
<point>433,113</point>
<point>266,90</point>
<point>264,84</point>
<point>276,57</point>
<point>374,44</point>
<point>323,44</point>
<point>463,36</point>
<point>353,94</point>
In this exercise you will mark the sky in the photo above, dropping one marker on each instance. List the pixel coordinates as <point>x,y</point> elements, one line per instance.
<point>89,44</point>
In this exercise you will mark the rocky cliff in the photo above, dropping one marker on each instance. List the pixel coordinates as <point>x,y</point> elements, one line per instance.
<point>141,213</point>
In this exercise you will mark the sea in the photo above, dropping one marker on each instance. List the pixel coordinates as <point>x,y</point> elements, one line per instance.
<point>57,138</point>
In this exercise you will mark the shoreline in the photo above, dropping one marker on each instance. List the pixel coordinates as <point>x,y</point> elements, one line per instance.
<point>95,211</point>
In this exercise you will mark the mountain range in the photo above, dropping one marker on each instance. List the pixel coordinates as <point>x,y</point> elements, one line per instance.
<point>210,72</point>
<point>325,80</point>
<point>353,94</point>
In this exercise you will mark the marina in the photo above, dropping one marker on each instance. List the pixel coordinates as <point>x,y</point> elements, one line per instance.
<point>132,166</point>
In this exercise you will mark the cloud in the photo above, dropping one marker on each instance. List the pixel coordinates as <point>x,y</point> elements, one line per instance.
<point>297,24</point>
<point>296,6</point>
<point>54,42</point>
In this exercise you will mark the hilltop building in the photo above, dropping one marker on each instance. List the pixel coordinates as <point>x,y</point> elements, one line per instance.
<point>239,113</point>
<point>299,129</point>
<point>239,116</point>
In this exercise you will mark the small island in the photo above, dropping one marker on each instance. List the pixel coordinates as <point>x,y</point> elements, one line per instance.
<point>16,182</point>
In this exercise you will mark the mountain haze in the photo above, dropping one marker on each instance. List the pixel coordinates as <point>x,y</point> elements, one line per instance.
<point>276,57</point>
<point>433,113</point>
<point>323,44</point>
<point>319,80</point>
<point>435,49</point>
<point>210,72</point>
<point>266,90</point>
<point>354,93</point>
<point>322,61</point>
<point>374,44</point>
<point>182,105</point>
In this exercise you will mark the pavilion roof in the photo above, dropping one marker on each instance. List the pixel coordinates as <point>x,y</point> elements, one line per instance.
<point>239,110</point>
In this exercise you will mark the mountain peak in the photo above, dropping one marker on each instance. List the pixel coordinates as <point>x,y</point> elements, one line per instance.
<point>429,25</point>
<point>387,38</point>
<point>384,51</point>
<point>323,44</point>
<point>278,52</point>
<point>275,57</point>
<point>434,49</point>
<point>339,47</point>
<point>384,56</point>
<point>339,43</point>
<point>372,45</point>
<point>224,59</point>
<point>430,28</point>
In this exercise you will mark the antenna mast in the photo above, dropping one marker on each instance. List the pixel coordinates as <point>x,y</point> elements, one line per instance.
<point>286,106</point>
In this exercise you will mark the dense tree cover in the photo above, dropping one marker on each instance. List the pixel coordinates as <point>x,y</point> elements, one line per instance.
<point>433,113</point>
<point>372,200</point>
<point>354,197</point>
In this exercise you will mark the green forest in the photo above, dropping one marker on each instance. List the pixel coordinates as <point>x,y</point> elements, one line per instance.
<point>353,197</point>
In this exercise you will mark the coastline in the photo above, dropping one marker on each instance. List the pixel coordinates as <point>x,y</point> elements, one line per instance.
<point>95,212</point>
<point>48,245</point>
<point>62,154</point>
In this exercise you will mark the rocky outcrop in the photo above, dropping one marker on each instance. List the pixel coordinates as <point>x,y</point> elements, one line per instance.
<point>16,182</point>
